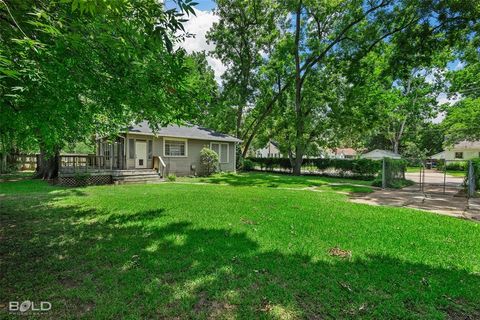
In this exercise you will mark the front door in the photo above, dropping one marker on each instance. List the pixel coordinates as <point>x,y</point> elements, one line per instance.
<point>141,154</point>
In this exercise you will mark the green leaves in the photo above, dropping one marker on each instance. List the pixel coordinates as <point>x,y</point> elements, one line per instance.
<point>89,67</point>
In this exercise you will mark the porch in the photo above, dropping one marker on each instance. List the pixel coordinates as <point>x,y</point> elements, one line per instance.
<point>112,166</point>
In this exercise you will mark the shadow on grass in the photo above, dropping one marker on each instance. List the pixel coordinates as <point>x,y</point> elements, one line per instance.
<point>276,180</point>
<point>88,263</point>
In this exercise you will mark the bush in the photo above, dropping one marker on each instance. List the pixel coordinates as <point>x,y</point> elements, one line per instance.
<point>248,165</point>
<point>457,165</point>
<point>171,177</point>
<point>395,184</point>
<point>208,160</point>
<point>358,168</point>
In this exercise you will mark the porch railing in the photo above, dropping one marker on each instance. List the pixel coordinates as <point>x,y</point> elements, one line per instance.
<point>91,162</point>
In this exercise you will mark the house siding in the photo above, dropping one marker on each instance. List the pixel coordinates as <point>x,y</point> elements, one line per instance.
<point>467,154</point>
<point>181,166</point>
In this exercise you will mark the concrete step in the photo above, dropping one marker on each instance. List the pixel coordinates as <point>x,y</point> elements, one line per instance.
<point>144,176</point>
<point>137,178</point>
<point>126,173</point>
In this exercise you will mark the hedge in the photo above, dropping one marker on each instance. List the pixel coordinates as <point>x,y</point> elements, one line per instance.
<point>364,168</point>
<point>453,165</point>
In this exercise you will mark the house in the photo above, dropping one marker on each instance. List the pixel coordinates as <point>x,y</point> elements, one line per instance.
<point>342,153</point>
<point>464,150</point>
<point>141,151</point>
<point>378,154</point>
<point>271,150</point>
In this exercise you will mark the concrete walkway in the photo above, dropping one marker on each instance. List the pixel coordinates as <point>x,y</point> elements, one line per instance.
<point>452,203</point>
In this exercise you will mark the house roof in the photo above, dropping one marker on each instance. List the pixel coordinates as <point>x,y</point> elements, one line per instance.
<point>467,145</point>
<point>382,153</point>
<point>437,156</point>
<point>187,131</point>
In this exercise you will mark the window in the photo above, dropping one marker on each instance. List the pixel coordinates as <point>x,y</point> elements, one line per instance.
<point>131,148</point>
<point>150,149</point>
<point>222,150</point>
<point>458,155</point>
<point>174,148</point>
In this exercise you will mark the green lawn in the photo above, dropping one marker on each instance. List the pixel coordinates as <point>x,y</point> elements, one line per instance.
<point>282,181</point>
<point>183,250</point>
<point>453,173</point>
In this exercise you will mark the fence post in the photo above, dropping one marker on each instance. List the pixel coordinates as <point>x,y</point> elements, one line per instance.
<point>111,156</point>
<point>384,178</point>
<point>471,179</point>
<point>422,166</point>
<point>444,177</point>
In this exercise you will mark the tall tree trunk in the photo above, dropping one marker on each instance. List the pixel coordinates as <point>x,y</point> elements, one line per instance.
<point>398,136</point>
<point>239,121</point>
<point>47,164</point>
<point>299,121</point>
<point>250,133</point>
<point>396,143</point>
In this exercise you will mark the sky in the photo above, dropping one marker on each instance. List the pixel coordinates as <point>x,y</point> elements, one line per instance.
<point>204,19</point>
<point>199,26</point>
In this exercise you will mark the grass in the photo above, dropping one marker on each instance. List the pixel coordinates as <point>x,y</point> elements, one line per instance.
<point>453,173</point>
<point>272,180</point>
<point>223,250</point>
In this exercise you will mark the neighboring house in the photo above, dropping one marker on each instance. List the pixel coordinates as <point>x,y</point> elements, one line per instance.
<point>341,153</point>
<point>464,150</point>
<point>271,150</point>
<point>378,154</point>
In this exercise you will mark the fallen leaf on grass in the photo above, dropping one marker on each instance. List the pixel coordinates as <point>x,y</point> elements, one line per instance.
<point>247,221</point>
<point>337,252</point>
<point>346,286</point>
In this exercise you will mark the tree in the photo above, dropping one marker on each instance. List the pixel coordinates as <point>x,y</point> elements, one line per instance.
<point>341,34</point>
<point>462,120</point>
<point>242,34</point>
<point>75,74</point>
<point>394,100</point>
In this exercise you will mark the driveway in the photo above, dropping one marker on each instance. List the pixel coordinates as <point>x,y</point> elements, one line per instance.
<point>452,202</point>
<point>434,177</point>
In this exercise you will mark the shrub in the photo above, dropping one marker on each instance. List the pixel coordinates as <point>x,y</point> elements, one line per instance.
<point>457,165</point>
<point>208,160</point>
<point>358,168</point>
<point>171,177</point>
<point>81,178</point>
<point>248,165</point>
<point>395,184</point>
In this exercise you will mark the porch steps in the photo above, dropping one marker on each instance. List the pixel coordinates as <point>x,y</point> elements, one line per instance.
<point>136,176</point>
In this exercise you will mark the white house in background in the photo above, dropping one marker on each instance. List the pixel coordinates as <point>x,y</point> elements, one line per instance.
<point>464,150</point>
<point>378,154</point>
<point>341,153</point>
<point>271,150</point>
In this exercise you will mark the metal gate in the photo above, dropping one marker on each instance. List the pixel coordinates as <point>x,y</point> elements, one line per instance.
<point>446,176</point>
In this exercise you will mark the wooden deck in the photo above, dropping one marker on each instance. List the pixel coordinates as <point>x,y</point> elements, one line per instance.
<point>71,166</point>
